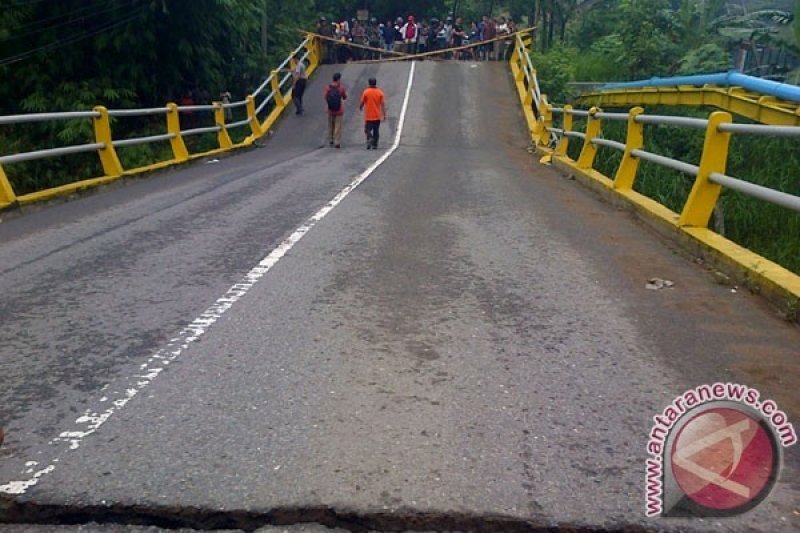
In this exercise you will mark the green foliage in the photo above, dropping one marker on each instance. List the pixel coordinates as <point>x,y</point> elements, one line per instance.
<point>650,32</point>
<point>604,60</point>
<point>707,59</point>
<point>555,68</point>
<point>635,39</point>
<point>797,22</point>
<point>593,24</point>
<point>77,54</point>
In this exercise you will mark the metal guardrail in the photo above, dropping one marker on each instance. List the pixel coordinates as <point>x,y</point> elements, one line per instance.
<point>709,173</point>
<point>46,117</point>
<point>735,99</point>
<point>715,130</point>
<point>138,112</point>
<point>105,146</point>
<point>51,152</point>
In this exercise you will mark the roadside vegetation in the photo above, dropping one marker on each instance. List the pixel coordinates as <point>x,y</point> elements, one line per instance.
<point>621,40</point>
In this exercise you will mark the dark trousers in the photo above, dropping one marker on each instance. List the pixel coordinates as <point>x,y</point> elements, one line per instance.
<point>297,95</point>
<point>372,129</point>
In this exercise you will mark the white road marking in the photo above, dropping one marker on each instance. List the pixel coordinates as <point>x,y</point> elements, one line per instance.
<point>127,389</point>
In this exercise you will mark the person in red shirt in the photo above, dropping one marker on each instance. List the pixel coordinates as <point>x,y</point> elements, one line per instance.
<point>335,96</point>
<point>373,102</point>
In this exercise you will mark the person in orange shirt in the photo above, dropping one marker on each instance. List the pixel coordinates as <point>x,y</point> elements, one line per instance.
<point>373,102</point>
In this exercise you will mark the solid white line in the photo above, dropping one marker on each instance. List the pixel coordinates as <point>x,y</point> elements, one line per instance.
<point>127,389</point>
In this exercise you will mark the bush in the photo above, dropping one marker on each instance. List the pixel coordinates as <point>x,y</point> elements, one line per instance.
<point>555,69</point>
<point>707,59</point>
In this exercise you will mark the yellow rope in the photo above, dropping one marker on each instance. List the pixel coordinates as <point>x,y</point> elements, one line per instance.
<point>405,57</point>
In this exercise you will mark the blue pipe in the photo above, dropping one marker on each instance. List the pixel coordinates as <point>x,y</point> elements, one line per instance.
<point>784,91</point>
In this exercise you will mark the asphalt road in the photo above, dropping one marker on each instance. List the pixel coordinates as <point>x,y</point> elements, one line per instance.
<point>465,341</point>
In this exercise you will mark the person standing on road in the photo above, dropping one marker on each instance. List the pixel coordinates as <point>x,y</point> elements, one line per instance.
<point>387,32</point>
<point>458,37</point>
<point>325,29</point>
<point>489,33</point>
<point>299,86</point>
<point>373,103</point>
<point>335,95</point>
<point>410,33</point>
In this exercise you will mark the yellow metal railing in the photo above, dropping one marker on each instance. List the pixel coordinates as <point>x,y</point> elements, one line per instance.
<point>763,109</point>
<point>105,146</point>
<point>709,175</point>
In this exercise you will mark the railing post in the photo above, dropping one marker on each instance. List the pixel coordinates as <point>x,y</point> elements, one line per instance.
<point>174,127</point>
<point>526,83</point>
<point>563,143</point>
<point>222,135</point>
<point>542,135</point>
<point>255,127</point>
<point>102,134</point>
<point>276,89</point>
<point>7,195</point>
<point>629,166</point>
<point>515,54</point>
<point>527,41</point>
<point>704,195</point>
<point>589,150</point>
<point>311,46</point>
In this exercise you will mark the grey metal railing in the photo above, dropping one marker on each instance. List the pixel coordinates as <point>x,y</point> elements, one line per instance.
<point>760,192</point>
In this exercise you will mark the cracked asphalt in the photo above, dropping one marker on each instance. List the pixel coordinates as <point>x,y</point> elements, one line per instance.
<point>467,334</point>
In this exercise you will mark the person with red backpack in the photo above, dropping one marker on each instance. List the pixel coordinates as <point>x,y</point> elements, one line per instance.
<point>410,32</point>
<point>335,95</point>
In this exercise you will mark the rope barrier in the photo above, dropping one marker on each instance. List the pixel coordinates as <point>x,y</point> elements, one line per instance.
<point>405,57</point>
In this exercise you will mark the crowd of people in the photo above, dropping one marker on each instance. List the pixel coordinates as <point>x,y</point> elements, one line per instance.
<point>409,36</point>
<point>485,40</point>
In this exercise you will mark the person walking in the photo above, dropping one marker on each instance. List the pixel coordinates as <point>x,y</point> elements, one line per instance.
<point>373,103</point>
<point>335,95</point>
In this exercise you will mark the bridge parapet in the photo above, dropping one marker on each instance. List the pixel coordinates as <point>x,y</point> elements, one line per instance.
<point>692,222</point>
<point>262,109</point>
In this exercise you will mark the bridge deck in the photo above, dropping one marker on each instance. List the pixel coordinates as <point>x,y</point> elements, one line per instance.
<point>466,334</point>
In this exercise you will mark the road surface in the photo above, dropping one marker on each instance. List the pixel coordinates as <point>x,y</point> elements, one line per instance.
<point>462,341</point>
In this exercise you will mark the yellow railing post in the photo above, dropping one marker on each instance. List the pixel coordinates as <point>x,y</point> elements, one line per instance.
<point>629,166</point>
<point>563,144</point>
<point>7,195</point>
<point>255,127</point>
<point>313,57</point>
<point>589,150</point>
<point>276,89</point>
<point>527,41</point>
<point>174,127</point>
<point>515,54</point>
<point>546,122</point>
<point>102,135</point>
<point>704,195</point>
<point>222,135</point>
<point>539,132</point>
